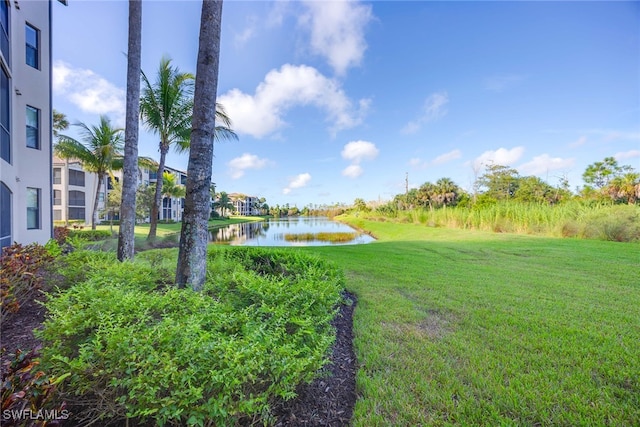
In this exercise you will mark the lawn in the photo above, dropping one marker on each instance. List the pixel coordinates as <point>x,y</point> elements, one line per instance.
<point>459,327</point>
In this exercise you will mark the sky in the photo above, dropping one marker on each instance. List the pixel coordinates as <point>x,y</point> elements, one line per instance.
<point>337,100</point>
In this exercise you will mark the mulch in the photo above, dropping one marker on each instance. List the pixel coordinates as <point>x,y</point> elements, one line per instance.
<point>327,401</point>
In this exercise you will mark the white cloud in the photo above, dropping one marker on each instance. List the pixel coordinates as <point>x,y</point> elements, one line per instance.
<point>89,91</point>
<point>298,181</point>
<point>337,31</point>
<point>447,157</point>
<point>239,165</point>
<point>503,82</point>
<point>353,171</point>
<point>501,156</point>
<point>579,142</point>
<point>356,151</point>
<point>434,108</point>
<point>290,86</point>
<point>545,163</point>
<point>627,155</point>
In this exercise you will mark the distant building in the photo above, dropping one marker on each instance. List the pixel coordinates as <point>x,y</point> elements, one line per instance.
<point>25,122</point>
<point>74,192</point>
<point>245,205</point>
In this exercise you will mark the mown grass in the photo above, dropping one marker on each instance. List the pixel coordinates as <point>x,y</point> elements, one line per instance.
<point>464,327</point>
<point>165,229</point>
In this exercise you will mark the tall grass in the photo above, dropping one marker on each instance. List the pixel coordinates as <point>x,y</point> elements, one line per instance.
<point>573,219</point>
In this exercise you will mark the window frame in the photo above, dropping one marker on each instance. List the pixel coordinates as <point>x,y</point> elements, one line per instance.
<point>35,48</point>
<point>37,127</point>
<point>31,210</point>
<point>6,206</point>
<point>5,128</point>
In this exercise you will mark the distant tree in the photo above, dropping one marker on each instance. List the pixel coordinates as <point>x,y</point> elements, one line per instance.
<point>534,189</point>
<point>501,182</point>
<point>360,205</point>
<point>194,236</point>
<point>625,188</point>
<point>170,187</point>
<point>60,122</point>
<point>446,192</point>
<point>126,231</point>
<point>426,195</point>
<point>599,174</point>
<point>223,203</point>
<point>99,152</point>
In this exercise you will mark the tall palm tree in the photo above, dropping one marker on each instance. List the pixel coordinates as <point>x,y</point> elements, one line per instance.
<point>194,235</point>
<point>446,192</point>
<point>126,240</point>
<point>223,202</point>
<point>99,152</point>
<point>166,108</point>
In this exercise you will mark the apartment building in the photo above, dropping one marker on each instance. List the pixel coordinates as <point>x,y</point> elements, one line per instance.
<point>25,122</point>
<point>74,192</point>
<point>245,205</point>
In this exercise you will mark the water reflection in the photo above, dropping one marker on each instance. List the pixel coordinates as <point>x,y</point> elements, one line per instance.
<point>272,232</point>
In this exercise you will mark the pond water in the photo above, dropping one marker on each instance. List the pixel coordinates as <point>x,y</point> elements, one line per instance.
<point>295,231</point>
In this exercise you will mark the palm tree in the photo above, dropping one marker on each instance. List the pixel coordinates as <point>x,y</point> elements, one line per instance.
<point>223,202</point>
<point>166,108</point>
<point>194,236</point>
<point>446,192</point>
<point>126,239</point>
<point>99,152</point>
<point>170,187</point>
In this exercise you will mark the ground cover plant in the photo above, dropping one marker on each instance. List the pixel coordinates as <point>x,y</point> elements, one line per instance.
<point>138,348</point>
<point>464,327</point>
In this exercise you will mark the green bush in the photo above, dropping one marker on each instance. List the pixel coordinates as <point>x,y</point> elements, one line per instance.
<point>618,224</point>
<point>173,356</point>
<point>21,269</point>
<point>90,235</point>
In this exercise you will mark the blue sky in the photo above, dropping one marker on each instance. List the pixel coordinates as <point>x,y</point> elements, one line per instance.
<point>335,100</point>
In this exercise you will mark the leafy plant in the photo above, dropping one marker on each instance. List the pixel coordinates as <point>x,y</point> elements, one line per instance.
<point>147,352</point>
<point>28,395</point>
<point>20,275</point>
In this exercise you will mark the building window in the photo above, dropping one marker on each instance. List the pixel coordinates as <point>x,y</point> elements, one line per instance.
<point>32,35</point>
<point>76,213</point>
<point>76,198</point>
<point>4,30</point>
<point>57,176</point>
<point>33,127</point>
<point>33,208</point>
<point>5,216</point>
<point>57,215</point>
<point>76,177</point>
<point>101,196</point>
<point>57,197</point>
<point>110,182</point>
<point>5,116</point>
<point>166,208</point>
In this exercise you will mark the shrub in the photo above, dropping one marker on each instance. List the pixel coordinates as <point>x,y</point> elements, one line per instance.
<point>20,275</point>
<point>60,234</point>
<point>90,235</point>
<point>24,388</point>
<point>173,356</point>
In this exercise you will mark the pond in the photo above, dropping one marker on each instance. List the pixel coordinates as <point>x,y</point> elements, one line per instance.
<point>294,231</point>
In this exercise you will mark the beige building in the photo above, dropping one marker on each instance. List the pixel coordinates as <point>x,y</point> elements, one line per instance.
<point>74,192</point>
<point>25,122</point>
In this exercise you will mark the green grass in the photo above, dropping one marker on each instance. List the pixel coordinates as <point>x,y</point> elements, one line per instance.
<point>464,327</point>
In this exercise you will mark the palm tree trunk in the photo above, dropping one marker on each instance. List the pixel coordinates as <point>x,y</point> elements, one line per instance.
<point>126,237</point>
<point>157,198</point>
<point>194,236</point>
<point>94,215</point>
